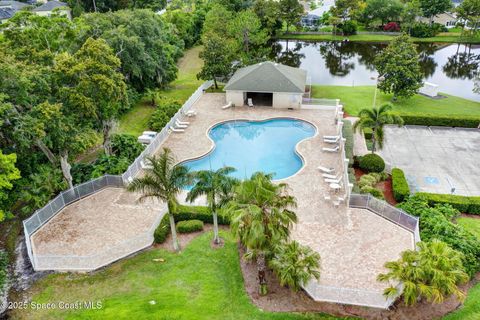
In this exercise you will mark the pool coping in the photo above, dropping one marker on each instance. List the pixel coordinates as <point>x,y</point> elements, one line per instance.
<point>213,144</point>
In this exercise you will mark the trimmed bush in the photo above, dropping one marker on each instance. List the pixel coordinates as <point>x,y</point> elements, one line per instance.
<point>463,204</point>
<point>368,132</point>
<point>401,190</point>
<point>185,213</point>
<point>441,121</point>
<point>368,182</point>
<point>189,226</point>
<point>348,28</point>
<point>347,132</point>
<point>372,163</point>
<point>373,191</point>
<point>162,231</point>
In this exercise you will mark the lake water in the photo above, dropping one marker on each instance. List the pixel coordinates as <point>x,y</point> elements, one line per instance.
<point>451,66</point>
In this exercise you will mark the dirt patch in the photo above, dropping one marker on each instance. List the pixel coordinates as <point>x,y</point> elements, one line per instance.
<point>281,299</point>
<point>185,238</point>
<point>471,216</point>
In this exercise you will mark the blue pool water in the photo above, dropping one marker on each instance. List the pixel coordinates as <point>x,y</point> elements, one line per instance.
<point>251,146</point>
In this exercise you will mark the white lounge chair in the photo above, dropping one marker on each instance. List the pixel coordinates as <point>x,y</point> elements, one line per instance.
<point>191,113</point>
<point>327,197</point>
<point>336,149</point>
<point>330,176</point>
<point>228,105</point>
<point>176,130</point>
<point>186,123</point>
<point>332,141</point>
<point>145,139</point>
<point>326,170</point>
<point>330,137</point>
<point>336,203</point>
<point>250,103</point>
<point>179,125</point>
<point>149,133</point>
<point>337,181</point>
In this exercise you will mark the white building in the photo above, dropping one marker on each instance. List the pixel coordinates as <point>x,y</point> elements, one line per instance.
<point>267,84</point>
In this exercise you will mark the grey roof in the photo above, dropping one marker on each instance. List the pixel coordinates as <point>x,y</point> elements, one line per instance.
<point>15,5</point>
<point>6,13</point>
<point>268,77</point>
<point>50,6</point>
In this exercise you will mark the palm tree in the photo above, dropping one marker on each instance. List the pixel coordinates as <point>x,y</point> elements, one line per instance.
<point>432,272</point>
<point>376,119</point>
<point>295,264</point>
<point>261,216</point>
<point>218,187</point>
<point>163,182</point>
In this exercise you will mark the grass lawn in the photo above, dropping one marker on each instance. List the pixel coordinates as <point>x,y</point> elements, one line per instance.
<point>135,121</point>
<point>199,283</point>
<point>356,98</point>
<point>443,37</point>
<point>471,224</point>
<point>471,308</point>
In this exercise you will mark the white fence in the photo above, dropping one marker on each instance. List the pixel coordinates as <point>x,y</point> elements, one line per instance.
<point>383,209</point>
<point>359,297</point>
<point>136,166</point>
<point>85,263</point>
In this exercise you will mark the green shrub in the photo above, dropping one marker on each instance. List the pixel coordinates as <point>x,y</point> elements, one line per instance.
<point>372,163</point>
<point>348,28</point>
<point>436,223</point>
<point>347,132</point>
<point>426,30</point>
<point>373,191</point>
<point>165,111</point>
<point>368,132</point>
<point>189,226</point>
<point>368,182</point>
<point>199,213</point>
<point>401,191</point>
<point>126,146</point>
<point>185,213</point>
<point>162,231</point>
<point>441,121</point>
<point>463,204</point>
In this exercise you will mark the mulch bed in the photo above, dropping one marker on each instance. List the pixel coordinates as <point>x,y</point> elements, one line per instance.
<point>281,299</point>
<point>385,186</point>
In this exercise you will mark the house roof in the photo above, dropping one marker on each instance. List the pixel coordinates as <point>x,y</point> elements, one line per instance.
<point>15,5</point>
<point>50,6</point>
<point>6,13</point>
<point>268,77</point>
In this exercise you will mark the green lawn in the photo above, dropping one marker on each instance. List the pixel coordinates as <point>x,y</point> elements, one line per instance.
<point>444,37</point>
<point>356,98</point>
<point>471,224</point>
<point>199,283</point>
<point>135,121</point>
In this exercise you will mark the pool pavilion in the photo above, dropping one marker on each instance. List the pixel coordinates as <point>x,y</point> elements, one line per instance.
<point>267,84</point>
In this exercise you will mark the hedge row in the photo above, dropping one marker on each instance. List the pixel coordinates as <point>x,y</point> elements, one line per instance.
<point>185,213</point>
<point>401,191</point>
<point>347,132</point>
<point>189,226</point>
<point>441,121</point>
<point>463,204</point>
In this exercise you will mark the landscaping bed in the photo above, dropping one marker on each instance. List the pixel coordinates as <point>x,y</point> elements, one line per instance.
<point>384,186</point>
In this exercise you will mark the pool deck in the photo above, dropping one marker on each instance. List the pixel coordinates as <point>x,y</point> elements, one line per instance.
<point>354,243</point>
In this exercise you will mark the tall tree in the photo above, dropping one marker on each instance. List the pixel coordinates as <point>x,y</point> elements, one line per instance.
<point>376,119</point>
<point>268,11</point>
<point>247,33</point>
<point>398,64</point>
<point>431,8</point>
<point>217,59</point>
<point>469,12</point>
<point>411,10</point>
<point>348,9</point>
<point>383,10</point>
<point>261,215</point>
<point>8,174</point>
<point>432,273</point>
<point>217,186</point>
<point>290,11</point>
<point>89,82</point>
<point>163,182</point>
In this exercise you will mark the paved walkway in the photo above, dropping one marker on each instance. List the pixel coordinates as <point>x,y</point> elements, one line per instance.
<point>354,244</point>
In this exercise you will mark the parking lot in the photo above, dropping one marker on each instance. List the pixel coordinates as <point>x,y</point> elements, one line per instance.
<point>435,159</point>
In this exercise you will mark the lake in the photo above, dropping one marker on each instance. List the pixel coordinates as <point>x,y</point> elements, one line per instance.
<point>451,66</point>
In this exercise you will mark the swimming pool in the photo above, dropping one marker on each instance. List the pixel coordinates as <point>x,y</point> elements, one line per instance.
<point>251,146</point>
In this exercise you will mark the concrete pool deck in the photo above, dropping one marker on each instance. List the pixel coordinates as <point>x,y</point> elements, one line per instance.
<point>435,159</point>
<point>354,243</point>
